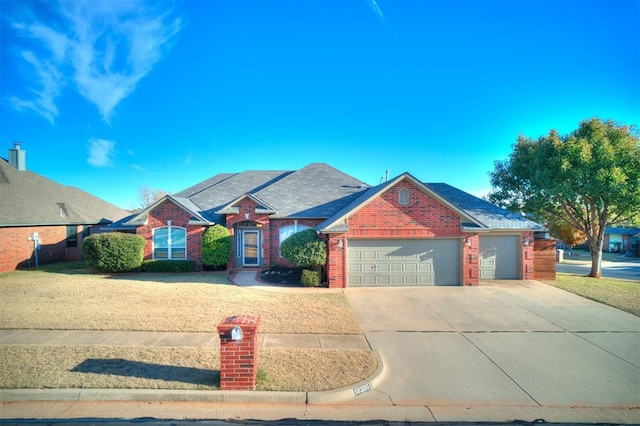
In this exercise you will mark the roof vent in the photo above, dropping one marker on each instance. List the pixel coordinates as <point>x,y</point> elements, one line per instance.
<point>18,157</point>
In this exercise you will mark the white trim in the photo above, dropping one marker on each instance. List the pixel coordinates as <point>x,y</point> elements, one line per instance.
<point>169,247</point>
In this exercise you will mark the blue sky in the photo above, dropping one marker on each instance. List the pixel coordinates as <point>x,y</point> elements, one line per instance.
<point>110,96</point>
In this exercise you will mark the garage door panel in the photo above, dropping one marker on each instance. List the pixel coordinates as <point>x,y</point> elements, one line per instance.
<point>499,257</point>
<point>404,262</point>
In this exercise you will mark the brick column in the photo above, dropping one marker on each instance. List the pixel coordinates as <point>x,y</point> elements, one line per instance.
<point>238,357</point>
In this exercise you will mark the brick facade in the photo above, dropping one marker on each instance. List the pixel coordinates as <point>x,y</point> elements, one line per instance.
<point>383,217</point>
<point>160,217</point>
<point>17,251</point>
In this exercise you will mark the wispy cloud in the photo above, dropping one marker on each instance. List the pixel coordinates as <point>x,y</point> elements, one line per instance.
<point>373,4</point>
<point>102,49</point>
<point>101,152</point>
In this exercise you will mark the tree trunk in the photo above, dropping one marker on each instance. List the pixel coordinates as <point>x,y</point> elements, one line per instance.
<point>595,246</point>
<point>596,262</point>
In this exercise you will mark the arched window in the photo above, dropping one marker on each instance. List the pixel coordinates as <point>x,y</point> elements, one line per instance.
<point>403,196</point>
<point>170,242</point>
<point>289,230</point>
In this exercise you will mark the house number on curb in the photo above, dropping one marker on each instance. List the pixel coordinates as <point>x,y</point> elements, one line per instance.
<point>359,390</point>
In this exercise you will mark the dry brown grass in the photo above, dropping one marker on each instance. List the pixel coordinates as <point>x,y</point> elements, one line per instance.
<point>108,367</point>
<point>162,302</point>
<point>75,300</point>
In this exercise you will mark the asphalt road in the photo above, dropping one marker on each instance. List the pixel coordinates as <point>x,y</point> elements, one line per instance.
<point>621,270</point>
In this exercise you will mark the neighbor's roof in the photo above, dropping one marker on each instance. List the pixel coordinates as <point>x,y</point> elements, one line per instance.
<point>622,230</point>
<point>29,199</point>
<point>315,191</point>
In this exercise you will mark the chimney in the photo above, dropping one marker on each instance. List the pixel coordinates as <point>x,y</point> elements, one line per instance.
<point>18,157</point>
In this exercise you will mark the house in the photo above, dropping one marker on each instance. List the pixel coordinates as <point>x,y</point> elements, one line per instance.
<point>401,232</point>
<point>42,221</point>
<point>618,239</point>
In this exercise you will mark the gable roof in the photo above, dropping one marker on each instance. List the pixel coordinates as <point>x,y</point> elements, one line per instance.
<point>476,214</point>
<point>29,199</point>
<point>315,191</point>
<point>184,203</point>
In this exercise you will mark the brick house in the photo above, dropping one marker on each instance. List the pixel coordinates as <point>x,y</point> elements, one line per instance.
<point>42,221</point>
<point>401,232</point>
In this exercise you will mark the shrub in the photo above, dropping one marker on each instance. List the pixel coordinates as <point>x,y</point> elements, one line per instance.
<point>305,249</point>
<point>113,251</point>
<point>168,266</point>
<point>216,247</point>
<point>310,278</point>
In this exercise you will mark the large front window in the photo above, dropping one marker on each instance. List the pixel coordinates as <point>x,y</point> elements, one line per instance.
<point>289,230</point>
<point>169,242</point>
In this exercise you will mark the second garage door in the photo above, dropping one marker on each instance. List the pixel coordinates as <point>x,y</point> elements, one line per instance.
<point>500,257</point>
<point>404,262</point>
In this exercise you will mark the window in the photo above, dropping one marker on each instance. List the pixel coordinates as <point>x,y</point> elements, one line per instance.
<point>289,230</point>
<point>170,242</point>
<point>72,236</point>
<point>403,196</point>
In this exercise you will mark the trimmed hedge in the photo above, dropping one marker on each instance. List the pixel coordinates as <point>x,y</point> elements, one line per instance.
<point>310,278</point>
<point>216,247</point>
<point>305,249</point>
<point>114,251</point>
<point>168,266</point>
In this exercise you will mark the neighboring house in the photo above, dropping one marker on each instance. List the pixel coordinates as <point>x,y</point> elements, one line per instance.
<point>621,239</point>
<point>401,232</point>
<point>36,212</point>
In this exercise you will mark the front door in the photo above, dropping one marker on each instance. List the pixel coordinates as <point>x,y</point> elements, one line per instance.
<point>250,248</point>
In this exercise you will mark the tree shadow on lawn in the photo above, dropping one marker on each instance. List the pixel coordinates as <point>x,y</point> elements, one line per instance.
<point>144,370</point>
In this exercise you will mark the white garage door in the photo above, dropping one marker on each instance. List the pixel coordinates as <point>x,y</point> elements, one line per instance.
<point>499,257</point>
<point>404,262</point>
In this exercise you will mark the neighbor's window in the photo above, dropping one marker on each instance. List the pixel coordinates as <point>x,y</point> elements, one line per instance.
<point>289,230</point>
<point>403,196</point>
<point>72,236</point>
<point>169,242</point>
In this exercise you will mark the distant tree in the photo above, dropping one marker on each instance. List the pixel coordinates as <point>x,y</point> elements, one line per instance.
<point>570,235</point>
<point>148,196</point>
<point>589,178</point>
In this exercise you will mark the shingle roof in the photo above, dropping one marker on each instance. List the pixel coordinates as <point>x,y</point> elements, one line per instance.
<point>490,215</point>
<point>476,214</point>
<point>315,191</point>
<point>31,199</point>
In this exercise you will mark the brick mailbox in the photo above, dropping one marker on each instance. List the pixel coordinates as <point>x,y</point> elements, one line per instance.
<point>238,352</point>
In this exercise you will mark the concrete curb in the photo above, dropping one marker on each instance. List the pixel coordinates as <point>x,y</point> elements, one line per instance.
<point>23,395</point>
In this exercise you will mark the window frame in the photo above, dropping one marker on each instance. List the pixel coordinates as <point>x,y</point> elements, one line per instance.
<point>171,246</point>
<point>296,228</point>
<point>403,196</point>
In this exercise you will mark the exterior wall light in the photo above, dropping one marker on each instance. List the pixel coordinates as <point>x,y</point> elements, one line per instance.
<point>467,241</point>
<point>340,244</point>
<point>526,241</point>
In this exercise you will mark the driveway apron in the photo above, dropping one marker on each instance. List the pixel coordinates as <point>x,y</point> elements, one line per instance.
<point>503,343</point>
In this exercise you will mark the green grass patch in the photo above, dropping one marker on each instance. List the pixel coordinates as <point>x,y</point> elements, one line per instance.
<point>621,294</point>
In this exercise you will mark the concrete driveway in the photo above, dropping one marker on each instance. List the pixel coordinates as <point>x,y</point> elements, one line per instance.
<point>511,343</point>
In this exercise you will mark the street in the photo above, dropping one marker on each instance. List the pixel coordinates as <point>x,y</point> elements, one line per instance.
<point>622,270</point>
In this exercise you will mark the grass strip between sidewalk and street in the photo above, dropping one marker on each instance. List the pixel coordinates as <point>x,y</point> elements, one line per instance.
<point>621,294</point>
<point>111,367</point>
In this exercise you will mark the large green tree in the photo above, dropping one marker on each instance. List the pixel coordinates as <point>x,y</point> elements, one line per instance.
<point>590,178</point>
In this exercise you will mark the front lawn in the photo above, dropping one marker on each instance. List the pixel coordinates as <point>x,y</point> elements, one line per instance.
<point>621,294</point>
<point>67,297</point>
<point>194,302</point>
